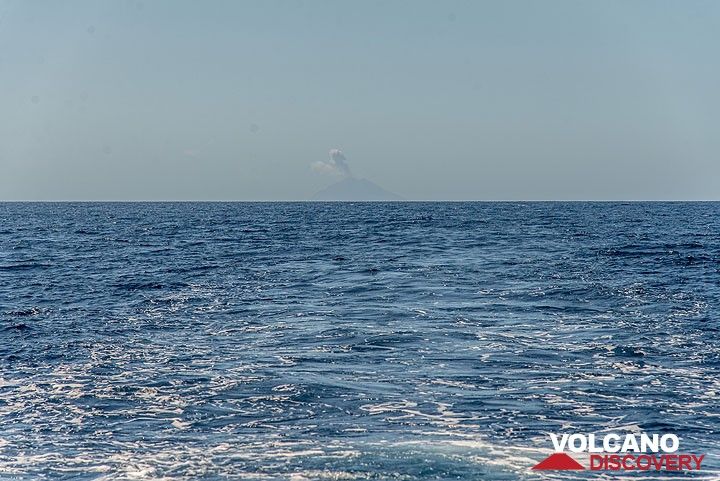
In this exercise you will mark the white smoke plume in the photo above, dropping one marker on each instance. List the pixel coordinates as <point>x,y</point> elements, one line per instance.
<point>336,165</point>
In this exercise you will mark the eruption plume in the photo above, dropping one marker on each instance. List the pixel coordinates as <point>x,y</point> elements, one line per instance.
<point>336,165</point>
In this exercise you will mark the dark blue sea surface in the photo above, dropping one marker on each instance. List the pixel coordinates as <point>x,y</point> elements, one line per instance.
<point>351,341</point>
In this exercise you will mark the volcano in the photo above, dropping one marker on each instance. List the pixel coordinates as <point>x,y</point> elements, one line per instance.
<point>352,189</point>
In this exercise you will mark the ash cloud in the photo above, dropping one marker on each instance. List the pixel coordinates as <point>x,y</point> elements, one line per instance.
<point>335,165</point>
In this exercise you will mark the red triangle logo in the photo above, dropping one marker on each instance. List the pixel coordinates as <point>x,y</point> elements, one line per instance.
<point>559,462</point>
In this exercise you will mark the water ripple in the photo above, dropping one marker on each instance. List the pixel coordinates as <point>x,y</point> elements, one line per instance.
<point>350,341</point>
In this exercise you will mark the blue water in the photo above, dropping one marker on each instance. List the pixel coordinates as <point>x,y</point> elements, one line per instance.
<point>350,341</point>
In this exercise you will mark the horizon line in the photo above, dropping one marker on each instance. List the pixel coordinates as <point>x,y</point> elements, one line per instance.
<point>309,201</point>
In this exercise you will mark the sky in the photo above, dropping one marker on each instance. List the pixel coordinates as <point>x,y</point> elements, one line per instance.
<point>436,100</point>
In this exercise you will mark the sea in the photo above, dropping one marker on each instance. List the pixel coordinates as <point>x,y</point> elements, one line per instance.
<point>352,341</point>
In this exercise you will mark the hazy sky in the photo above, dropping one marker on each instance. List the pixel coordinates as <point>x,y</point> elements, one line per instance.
<point>432,100</point>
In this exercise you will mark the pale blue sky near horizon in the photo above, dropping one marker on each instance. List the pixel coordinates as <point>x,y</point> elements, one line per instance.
<point>476,100</point>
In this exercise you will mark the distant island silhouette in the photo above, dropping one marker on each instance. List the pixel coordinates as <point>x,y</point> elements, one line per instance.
<point>351,188</point>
